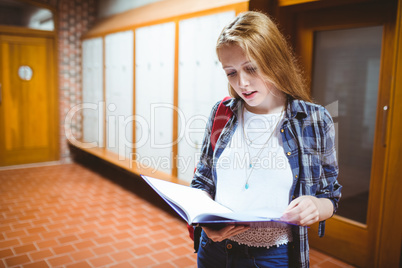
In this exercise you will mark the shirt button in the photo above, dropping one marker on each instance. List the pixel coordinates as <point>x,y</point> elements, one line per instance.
<point>296,176</point>
<point>229,246</point>
<point>288,153</point>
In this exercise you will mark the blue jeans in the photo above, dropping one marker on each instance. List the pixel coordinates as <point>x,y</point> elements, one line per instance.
<point>229,254</point>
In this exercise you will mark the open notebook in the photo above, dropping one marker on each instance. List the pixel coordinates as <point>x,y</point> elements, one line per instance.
<point>198,209</point>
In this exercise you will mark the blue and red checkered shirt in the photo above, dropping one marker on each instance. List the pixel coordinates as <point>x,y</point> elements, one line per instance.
<point>308,136</point>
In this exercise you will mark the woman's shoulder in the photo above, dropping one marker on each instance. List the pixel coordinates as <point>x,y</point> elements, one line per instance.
<point>310,111</point>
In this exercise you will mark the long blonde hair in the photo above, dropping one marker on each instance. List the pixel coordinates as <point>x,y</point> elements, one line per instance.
<point>261,40</point>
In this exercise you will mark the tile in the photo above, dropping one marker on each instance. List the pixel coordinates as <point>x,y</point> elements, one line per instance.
<point>101,250</point>
<point>104,240</point>
<point>9,243</point>
<point>182,251</point>
<point>67,239</point>
<point>18,260</point>
<point>84,245</point>
<point>82,255</point>
<point>121,255</point>
<point>39,264</point>
<point>14,234</point>
<point>83,264</point>
<point>162,256</point>
<point>6,253</point>
<point>101,261</point>
<point>185,261</point>
<point>40,255</point>
<point>25,248</point>
<point>164,265</point>
<point>30,238</point>
<point>122,265</point>
<point>64,249</point>
<point>144,262</point>
<point>47,243</point>
<point>159,245</point>
<point>60,261</point>
<point>141,250</point>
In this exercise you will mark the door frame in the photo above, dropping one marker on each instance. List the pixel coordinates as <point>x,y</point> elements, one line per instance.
<point>346,239</point>
<point>389,234</point>
<point>52,39</point>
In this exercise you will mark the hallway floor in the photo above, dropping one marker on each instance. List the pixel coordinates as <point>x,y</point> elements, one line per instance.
<point>70,216</point>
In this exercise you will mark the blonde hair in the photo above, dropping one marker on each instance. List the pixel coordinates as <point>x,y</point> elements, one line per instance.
<point>261,40</point>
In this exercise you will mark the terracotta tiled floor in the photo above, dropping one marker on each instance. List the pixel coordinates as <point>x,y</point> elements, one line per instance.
<point>70,216</point>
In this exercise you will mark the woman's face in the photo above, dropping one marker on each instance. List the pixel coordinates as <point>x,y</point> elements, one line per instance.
<point>246,79</point>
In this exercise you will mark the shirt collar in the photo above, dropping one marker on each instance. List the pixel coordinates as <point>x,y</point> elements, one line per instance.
<point>296,108</point>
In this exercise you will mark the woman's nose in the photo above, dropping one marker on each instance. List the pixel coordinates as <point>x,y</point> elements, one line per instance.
<point>243,80</point>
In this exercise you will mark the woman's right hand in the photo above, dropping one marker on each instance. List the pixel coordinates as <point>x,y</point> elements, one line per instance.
<point>225,232</point>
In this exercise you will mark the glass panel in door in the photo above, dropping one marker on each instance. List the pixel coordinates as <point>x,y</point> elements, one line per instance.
<point>345,80</point>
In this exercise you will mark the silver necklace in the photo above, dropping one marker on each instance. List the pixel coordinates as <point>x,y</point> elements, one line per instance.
<point>251,166</point>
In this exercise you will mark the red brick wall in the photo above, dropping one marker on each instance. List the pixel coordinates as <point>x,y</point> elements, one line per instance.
<point>75,18</point>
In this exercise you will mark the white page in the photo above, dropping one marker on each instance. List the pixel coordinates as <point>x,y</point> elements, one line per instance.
<point>193,201</point>
<point>197,204</point>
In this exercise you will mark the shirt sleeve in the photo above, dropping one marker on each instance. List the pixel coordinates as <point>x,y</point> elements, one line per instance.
<point>203,178</point>
<point>328,184</point>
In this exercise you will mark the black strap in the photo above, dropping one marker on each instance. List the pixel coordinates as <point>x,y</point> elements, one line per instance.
<point>197,238</point>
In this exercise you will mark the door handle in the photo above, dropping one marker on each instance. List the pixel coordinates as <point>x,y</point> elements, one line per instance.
<point>384,125</point>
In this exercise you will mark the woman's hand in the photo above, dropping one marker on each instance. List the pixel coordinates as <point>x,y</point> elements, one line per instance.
<point>224,233</point>
<point>306,210</point>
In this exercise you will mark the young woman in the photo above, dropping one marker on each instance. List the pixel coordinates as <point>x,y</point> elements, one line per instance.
<point>276,154</point>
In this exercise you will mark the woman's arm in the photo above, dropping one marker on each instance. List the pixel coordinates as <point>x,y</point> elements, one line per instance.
<point>203,174</point>
<point>308,209</point>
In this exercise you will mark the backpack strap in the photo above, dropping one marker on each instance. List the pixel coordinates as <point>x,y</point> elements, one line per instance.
<point>222,116</point>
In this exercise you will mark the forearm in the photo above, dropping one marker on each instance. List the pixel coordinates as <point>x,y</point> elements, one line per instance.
<point>325,208</point>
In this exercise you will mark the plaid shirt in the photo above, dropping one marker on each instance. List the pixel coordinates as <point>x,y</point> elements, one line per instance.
<point>308,136</point>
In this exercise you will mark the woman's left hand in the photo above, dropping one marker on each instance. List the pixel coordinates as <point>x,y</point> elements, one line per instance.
<point>306,210</point>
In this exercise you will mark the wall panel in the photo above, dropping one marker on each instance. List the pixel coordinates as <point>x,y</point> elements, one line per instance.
<point>119,92</point>
<point>154,87</point>
<point>92,91</point>
<point>202,83</point>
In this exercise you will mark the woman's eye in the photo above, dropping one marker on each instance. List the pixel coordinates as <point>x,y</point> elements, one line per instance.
<point>230,74</point>
<point>251,69</point>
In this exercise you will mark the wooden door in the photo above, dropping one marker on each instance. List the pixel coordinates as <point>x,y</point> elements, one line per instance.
<point>347,53</point>
<point>28,113</point>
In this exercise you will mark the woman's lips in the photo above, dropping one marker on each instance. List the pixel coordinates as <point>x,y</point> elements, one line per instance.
<point>249,94</point>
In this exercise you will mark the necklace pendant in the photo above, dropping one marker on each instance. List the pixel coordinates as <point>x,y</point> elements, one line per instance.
<point>246,186</point>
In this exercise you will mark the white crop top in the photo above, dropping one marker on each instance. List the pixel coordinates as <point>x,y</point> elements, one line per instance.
<point>268,178</point>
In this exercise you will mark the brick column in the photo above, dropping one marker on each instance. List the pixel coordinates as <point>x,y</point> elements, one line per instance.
<point>75,17</point>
